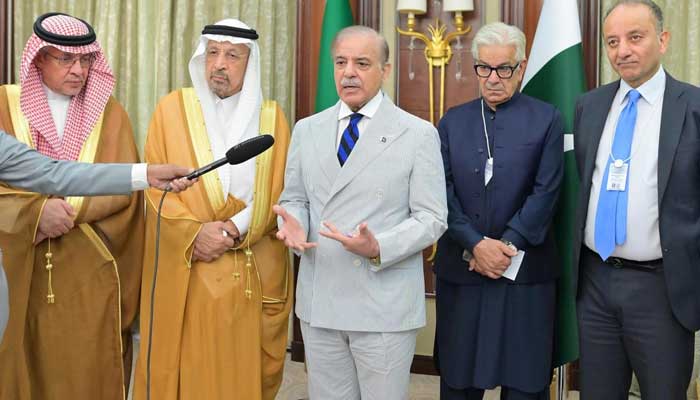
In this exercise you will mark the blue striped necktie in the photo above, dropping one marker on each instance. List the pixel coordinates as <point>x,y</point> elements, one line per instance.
<point>350,136</point>
<point>611,215</point>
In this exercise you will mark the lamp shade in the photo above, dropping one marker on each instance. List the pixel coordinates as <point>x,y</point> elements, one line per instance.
<point>457,5</point>
<point>412,6</point>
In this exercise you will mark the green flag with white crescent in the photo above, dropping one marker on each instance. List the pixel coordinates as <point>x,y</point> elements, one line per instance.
<point>555,74</point>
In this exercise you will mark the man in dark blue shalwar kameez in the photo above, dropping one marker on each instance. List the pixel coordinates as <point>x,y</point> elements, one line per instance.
<point>503,156</point>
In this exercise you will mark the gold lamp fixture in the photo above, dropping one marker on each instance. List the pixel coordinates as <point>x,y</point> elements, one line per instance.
<point>438,51</point>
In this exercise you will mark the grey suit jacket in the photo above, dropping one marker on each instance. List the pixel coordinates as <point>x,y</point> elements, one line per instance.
<point>24,168</point>
<point>678,188</point>
<point>394,180</point>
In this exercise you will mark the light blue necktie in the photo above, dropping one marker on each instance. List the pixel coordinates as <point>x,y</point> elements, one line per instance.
<point>350,136</point>
<point>611,216</point>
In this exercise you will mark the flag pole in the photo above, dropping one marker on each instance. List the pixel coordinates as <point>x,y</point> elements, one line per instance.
<point>562,392</point>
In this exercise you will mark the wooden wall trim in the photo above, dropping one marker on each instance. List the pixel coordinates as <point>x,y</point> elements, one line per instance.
<point>590,13</point>
<point>513,12</point>
<point>6,41</point>
<point>370,14</point>
<point>523,14</point>
<point>309,21</point>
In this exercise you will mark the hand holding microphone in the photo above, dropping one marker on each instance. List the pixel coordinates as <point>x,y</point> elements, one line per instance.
<point>237,154</point>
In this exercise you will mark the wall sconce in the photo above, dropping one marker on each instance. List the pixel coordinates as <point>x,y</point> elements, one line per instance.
<point>438,51</point>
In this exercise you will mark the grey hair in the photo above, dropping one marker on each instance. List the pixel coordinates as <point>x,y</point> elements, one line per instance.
<point>653,7</point>
<point>363,30</point>
<point>499,34</point>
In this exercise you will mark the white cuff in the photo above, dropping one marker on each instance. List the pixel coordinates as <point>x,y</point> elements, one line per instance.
<point>139,177</point>
<point>242,219</point>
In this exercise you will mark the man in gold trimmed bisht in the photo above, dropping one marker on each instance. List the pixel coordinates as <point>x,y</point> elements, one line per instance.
<point>73,264</point>
<point>224,286</point>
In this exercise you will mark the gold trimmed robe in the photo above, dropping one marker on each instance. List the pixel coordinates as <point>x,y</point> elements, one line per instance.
<point>219,328</point>
<point>80,346</point>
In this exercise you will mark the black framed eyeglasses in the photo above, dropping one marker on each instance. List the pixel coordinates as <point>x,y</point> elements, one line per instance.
<point>65,61</point>
<point>503,71</point>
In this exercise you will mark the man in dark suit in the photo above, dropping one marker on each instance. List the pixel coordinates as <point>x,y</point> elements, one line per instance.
<point>637,143</point>
<point>503,157</point>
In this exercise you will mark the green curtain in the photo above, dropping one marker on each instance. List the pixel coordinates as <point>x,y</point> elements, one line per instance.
<point>148,43</point>
<point>683,55</point>
<point>681,60</point>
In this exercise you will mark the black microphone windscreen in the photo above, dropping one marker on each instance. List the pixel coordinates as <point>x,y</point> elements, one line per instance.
<point>248,149</point>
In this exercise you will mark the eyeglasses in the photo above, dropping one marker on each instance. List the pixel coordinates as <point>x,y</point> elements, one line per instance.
<point>503,71</point>
<point>65,61</point>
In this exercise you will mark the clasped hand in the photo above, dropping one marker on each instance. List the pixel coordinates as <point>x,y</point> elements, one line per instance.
<point>56,220</point>
<point>491,258</point>
<point>211,242</point>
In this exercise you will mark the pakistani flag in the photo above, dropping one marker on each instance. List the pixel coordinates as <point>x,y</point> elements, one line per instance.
<point>555,74</point>
<point>336,16</point>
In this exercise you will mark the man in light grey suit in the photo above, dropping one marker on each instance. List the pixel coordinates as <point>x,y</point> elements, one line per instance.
<point>364,194</point>
<point>25,168</point>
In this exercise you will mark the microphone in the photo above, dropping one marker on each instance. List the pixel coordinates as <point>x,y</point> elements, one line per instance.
<point>237,154</point>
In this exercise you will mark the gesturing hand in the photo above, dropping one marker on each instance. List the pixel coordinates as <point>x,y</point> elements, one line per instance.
<point>291,232</point>
<point>361,242</point>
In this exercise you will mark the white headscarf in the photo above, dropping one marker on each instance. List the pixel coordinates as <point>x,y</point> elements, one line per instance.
<point>225,131</point>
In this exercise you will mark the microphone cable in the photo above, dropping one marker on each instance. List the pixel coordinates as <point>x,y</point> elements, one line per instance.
<point>153,296</point>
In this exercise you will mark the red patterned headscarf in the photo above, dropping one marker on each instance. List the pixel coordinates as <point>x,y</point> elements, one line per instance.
<point>56,30</point>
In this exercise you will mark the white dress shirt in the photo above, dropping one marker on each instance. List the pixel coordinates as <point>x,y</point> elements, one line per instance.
<point>242,175</point>
<point>368,111</point>
<point>58,103</point>
<point>643,242</point>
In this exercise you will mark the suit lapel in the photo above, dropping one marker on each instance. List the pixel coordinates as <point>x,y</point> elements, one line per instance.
<point>595,125</point>
<point>324,140</point>
<point>672,117</point>
<point>377,137</point>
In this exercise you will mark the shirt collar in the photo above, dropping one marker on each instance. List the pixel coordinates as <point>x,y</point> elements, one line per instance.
<point>650,90</point>
<point>52,96</point>
<point>228,103</point>
<point>504,105</point>
<point>368,110</point>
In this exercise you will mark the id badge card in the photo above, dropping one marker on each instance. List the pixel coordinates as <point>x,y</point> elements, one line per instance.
<point>617,176</point>
<point>488,171</point>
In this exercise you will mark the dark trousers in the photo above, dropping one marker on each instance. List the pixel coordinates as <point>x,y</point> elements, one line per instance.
<point>448,393</point>
<point>626,324</point>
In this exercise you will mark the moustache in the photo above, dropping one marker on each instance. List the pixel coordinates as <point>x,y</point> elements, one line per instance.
<point>75,78</point>
<point>219,74</point>
<point>350,82</point>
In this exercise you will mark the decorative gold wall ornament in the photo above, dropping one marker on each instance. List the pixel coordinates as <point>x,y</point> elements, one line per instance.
<point>438,51</point>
